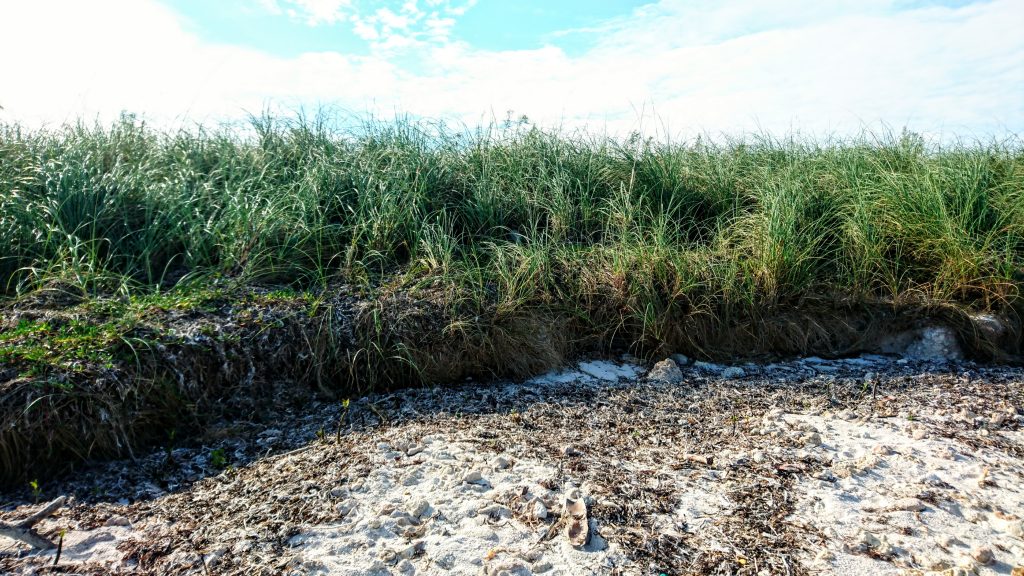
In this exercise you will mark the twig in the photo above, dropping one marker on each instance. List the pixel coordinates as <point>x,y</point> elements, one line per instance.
<point>23,531</point>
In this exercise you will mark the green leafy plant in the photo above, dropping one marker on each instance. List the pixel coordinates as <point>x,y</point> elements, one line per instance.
<point>218,458</point>
<point>341,419</point>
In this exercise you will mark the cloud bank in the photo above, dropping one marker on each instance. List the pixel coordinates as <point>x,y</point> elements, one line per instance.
<point>741,66</point>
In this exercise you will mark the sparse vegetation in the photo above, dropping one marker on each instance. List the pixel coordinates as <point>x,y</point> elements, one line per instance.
<point>150,276</point>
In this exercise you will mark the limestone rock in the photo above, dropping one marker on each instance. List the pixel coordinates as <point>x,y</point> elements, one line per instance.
<point>666,372</point>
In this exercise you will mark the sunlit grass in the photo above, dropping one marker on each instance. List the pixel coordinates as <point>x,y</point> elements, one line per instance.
<point>543,218</point>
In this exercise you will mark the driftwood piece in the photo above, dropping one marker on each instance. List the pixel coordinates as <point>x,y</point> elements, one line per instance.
<point>24,532</point>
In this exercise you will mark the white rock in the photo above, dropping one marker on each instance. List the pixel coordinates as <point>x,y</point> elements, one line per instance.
<point>420,509</point>
<point>473,477</point>
<point>733,372</point>
<point>930,343</point>
<point>540,511</point>
<point>666,372</point>
<point>868,540</point>
<point>501,463</point>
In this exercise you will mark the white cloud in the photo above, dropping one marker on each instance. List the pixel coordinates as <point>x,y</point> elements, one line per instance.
<point>317,12</point>
<point>714,67</point>
<point>389,31</point>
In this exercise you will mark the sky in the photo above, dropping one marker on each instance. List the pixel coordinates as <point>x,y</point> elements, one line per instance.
<point>954,68</point>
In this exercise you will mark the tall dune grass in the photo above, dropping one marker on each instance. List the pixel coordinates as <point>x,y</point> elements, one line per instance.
<point>539,216</point>
<point>415,252</point>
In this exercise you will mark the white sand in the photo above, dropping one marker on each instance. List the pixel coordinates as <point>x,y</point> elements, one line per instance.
<point>894,498</point>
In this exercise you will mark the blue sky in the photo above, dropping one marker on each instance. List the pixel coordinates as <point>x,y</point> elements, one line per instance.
<point>949,67</point>
<point>488,25</point>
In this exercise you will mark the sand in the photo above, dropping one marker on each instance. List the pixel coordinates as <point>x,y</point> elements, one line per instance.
<point>870,465</point>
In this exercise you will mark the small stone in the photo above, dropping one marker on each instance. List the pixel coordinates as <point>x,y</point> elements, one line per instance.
<point>680,359</point>
<point>570,451</point>
<point>848,468</point>
<point>983,555</point>
<point>501,463</point>
<point>540,511</point>
<point>473,477</point>
<point>733,372</point>
<point>965,416</point>
<point>411,551</point>
<point>338,492</point>
<point>879,546</point>
<point>403,519</point>
<point>919,434</point>
<point>882,450</point>
<point>496,511</point>
<point>868,540</point>
<point>846,415</point>
<point>214,557</point>
<point>666,372</point>
<point>421,508</point>
<point>533,555</point>
<point>117,520</point>
<point>389,557</point>
<point>813,439</point>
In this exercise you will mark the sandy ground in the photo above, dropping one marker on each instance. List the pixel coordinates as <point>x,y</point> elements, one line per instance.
<point>868,465</point>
